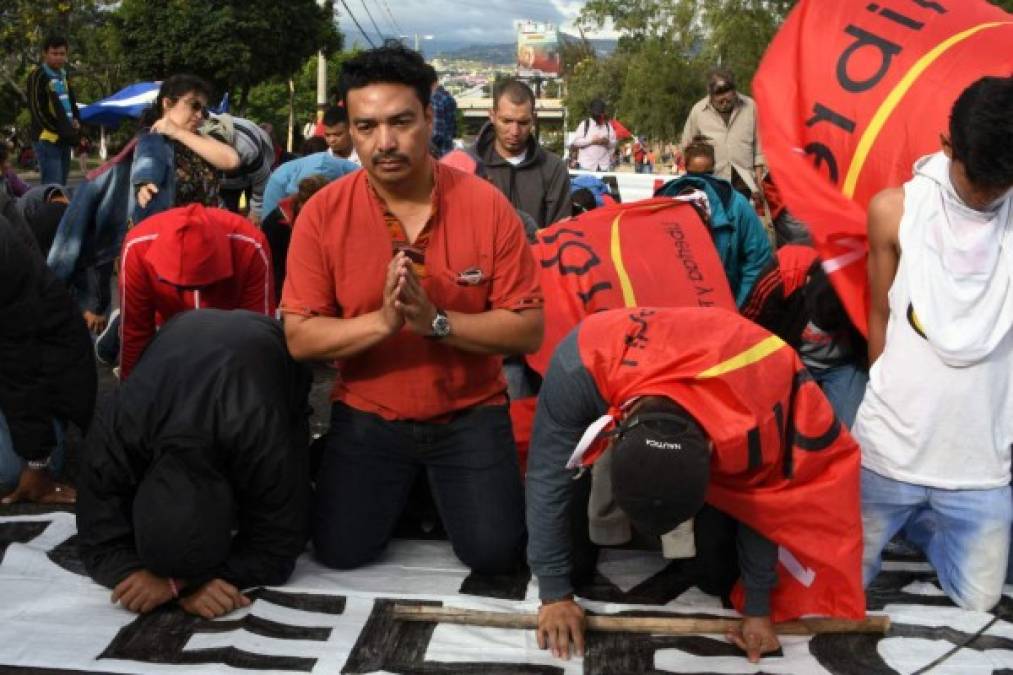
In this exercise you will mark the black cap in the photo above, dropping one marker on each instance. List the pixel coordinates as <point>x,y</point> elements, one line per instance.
<point>597,107</point>
<point>183,516</point>
<point>660,469</point>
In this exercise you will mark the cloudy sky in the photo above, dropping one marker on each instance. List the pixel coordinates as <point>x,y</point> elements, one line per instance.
<point>469,21</point>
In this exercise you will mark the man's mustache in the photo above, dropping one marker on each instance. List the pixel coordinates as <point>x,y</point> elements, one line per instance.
<point>389,157</point>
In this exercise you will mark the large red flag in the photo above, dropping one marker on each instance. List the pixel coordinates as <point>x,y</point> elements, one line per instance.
<point>851,93</point>
<point>653,252</point>
<point>656,252</point>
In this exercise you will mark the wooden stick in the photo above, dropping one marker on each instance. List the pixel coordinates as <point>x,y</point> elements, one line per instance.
<point>658,625</point>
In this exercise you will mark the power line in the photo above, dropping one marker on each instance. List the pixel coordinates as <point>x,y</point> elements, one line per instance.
<point>356,22</point>
<point>375,27</point>
<point>392,19</point>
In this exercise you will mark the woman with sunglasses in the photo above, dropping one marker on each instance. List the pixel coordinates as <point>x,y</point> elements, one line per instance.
<point>174,165</point>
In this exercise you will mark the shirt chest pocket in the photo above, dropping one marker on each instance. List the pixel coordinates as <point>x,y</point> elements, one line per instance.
<point>465,290</point>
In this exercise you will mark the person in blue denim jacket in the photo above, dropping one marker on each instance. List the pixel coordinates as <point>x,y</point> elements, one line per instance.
<point>168,164</point>
<point>173,164</point>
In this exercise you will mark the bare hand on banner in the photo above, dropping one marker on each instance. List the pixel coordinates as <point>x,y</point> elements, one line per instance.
<point>38,487</point>
<point>412,301</point>
<point>142,592</point>
<point>215,598</point>
<point>559,624</point>
<point>755,636</point>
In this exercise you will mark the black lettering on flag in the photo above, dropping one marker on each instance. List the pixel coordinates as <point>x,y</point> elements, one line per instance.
<point>823,155</point>
<point>585,297</point>
<point>863,38</point>
<point>821,113</point>
<point>551,238</point>
<point>590,259</point>
<point>753,442</point>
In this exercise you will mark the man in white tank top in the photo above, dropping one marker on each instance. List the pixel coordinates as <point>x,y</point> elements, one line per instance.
<point>936,423</point>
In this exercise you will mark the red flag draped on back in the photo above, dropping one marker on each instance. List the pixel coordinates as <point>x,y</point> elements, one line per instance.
<point>851,93</point>
<point>782,462</point>
<point>652,252</point>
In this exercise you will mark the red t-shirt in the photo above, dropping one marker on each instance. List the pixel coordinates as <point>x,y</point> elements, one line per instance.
<point>476,259</point>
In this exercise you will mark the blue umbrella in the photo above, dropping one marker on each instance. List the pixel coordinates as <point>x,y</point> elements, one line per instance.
<point>129,102</point>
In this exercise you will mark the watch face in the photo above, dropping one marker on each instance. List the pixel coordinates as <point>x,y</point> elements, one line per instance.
<point>441,325</point>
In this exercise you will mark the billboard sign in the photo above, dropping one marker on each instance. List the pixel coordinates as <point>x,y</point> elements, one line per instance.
<point>538,51</point>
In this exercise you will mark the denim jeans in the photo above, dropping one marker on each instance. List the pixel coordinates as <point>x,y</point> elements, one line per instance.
<point>844,387</point>
<point>11,463</point>
<point>54,162</point>
<point>964,533</point>
<point>369,465</point>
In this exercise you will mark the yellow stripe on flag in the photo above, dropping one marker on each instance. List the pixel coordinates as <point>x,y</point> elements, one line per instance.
<point>757,352</point>
<point>893,99</point>
<point>617,260</point>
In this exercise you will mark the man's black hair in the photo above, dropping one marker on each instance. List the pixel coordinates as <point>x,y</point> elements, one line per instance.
<point>313,145</point>
<point>336,114</point>
<point>434,77</point>
<point>981,131</point>
<point>582,201</point>
<point>720,78</point>
<point>517,92</point>
<point>55,40</point>
<point>391,64</point>
<point>698,148</point>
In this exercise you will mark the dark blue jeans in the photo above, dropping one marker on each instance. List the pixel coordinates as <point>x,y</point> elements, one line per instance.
<point>54,162</point>
<point>369,465</point>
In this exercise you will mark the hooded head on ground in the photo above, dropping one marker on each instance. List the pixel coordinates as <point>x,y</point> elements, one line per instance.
<point>183,513</point>
<point>660,465</point>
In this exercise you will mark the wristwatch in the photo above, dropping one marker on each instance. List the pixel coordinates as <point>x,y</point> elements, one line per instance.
<point>38,464</point>
<point>441,325</point>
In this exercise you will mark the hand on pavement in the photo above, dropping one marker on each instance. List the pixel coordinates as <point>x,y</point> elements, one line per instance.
<point>215,598</point>
<point>142,592</point>
<point>755,636</point>
<point>559,624</point>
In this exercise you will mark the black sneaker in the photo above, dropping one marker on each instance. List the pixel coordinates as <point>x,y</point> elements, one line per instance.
<point>107,344</point>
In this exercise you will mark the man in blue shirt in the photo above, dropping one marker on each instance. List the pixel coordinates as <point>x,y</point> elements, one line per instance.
<point>55,118</point>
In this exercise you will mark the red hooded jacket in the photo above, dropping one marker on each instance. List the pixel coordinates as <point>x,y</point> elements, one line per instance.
<point>188,258</point>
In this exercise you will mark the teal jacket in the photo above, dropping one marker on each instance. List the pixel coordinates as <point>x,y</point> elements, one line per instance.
<point>739,236</point>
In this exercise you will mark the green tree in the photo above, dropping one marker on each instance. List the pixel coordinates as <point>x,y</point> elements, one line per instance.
<point>268,101</point>
<point>235,44</point>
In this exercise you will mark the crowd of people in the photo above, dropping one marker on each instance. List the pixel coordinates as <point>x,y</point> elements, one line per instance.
<point>709,428</point>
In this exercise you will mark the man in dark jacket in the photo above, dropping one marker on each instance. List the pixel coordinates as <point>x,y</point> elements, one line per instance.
<point>208,437</point>
<point>47,375</point>
<point>55,118</point>
<point>535,181</point>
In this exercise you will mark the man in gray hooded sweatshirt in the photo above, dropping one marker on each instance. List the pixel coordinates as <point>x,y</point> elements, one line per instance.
<point>535,181</point>
<point>936,422</point>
